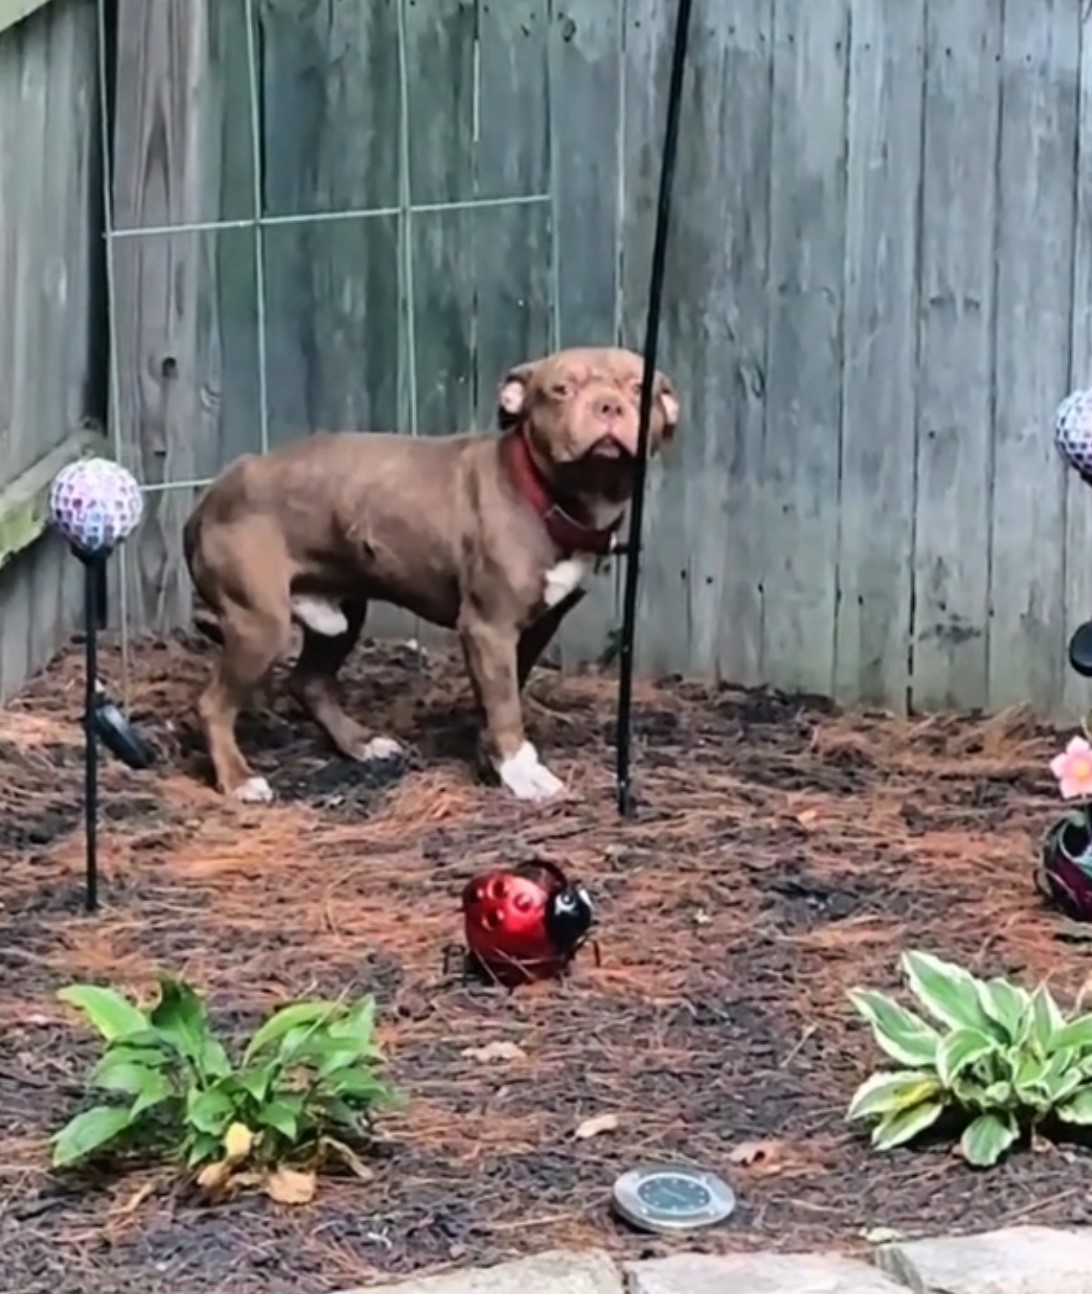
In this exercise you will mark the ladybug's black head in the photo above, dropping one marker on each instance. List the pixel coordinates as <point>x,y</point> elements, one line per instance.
<point>569,916</point>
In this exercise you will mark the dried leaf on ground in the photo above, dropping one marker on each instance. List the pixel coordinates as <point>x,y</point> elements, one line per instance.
<point>214,1176</point>
<point>288,1186</point>
<point>135,1200</point>
<point>238,1143</point>
<point>349,1158</point>
<point>494,1051</point>
<point>594,1126</point>
<point>767,1156</point>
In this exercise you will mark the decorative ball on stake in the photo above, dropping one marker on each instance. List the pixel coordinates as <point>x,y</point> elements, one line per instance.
<point>96,504</point>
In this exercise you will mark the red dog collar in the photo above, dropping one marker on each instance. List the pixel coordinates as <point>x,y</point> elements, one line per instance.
<point>570,535</point>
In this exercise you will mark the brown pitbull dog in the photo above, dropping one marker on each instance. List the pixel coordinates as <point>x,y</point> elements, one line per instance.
<point>489,536</point>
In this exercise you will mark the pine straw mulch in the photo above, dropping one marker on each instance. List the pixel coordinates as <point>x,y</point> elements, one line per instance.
<point>783,852</point>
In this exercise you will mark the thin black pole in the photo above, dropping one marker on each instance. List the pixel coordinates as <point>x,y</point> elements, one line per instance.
<point>93,571</point>
<point>652,332</point>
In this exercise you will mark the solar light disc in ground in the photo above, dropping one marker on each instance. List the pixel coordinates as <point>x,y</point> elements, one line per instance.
<point>672,1197</point>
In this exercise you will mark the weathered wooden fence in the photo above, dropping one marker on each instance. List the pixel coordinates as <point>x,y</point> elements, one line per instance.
<point>880,286</point>
<point>52,310</point>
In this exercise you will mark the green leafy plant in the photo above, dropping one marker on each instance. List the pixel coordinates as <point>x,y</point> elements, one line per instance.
<point>307,1073</point>
<point>1002,1058</point>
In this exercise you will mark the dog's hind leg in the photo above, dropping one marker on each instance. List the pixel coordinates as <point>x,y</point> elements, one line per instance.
<point>254,639</point>
<point>313,681</point>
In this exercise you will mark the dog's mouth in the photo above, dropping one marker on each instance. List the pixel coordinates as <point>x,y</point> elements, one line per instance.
<point>609,448</point>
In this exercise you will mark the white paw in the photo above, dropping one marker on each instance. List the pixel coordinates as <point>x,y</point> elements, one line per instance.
<point>526,777</point>
<point>320,615</point>
<point>564,578</point>
<point>379,748</point>
<point>255,790</point>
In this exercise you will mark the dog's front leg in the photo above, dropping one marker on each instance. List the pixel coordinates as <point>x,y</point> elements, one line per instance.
<point>491,658</point>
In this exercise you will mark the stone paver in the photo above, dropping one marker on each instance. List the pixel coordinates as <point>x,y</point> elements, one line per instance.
<point>1019,1260</point>
<point>757,1274</point>
<point>557,1271</point>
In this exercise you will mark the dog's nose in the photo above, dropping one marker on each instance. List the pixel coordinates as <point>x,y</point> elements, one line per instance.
<point>608,408</point>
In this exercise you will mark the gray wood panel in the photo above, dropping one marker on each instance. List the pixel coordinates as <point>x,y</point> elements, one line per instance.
<point>868,340</point>
<point>663,608</point>
<point>1075,699</point>
<point>1036,191</point>
<point>331,109</point>
<point>955,374</point>
<point>440,55</point>
<point>50,328</point>
<point>585,132</point>
<point>803,400</point>
<point>728,415</point>
<point>512,245</point>
<point>167,171</point>
<point>879,378</point>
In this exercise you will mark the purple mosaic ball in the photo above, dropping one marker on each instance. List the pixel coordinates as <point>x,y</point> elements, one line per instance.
<point>95,503</point>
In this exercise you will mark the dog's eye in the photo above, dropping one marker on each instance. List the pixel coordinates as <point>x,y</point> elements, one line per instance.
<point>562,390</point>
<point>637,390</point>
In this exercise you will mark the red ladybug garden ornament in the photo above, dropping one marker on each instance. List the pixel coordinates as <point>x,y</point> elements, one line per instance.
<point>525,924</point>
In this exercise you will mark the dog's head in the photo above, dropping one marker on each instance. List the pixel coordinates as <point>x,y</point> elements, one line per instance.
<point>580,411</point>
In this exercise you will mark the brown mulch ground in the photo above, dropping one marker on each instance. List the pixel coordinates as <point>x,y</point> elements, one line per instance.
<point>782,853</point>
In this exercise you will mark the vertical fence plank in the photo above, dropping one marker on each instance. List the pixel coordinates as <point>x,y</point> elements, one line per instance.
<point>803,418</point>
<point>663,608</point>
<point>954,454</point>
<point>729,411</point>
<point>512,244</point>
<point>585,133</point>
<point>440,39</point>
<point>1035,205</point>
<point>1076,694</point>
<point>879,380</point>
<point>331,102</point>
<point>167,120</point>
<point>700,603</point>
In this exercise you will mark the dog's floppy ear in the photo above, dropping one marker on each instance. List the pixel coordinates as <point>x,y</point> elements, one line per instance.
<point>512,394</point>
<point>669,404</point>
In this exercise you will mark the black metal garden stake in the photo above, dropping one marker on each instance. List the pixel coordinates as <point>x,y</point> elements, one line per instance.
<point>652,330</point>
<point>96,504</point>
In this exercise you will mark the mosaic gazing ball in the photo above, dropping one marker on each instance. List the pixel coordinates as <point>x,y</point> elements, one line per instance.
<point>1073,432</point>
<point>95,503</point>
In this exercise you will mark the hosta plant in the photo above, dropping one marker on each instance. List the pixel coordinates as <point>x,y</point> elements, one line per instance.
<point>306,1083</point>
<point>1002,1059</point>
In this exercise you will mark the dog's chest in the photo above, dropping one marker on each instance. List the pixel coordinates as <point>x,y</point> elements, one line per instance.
<point>565,578</point>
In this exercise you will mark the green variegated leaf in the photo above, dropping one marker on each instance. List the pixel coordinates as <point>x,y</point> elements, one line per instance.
<point>1047,1021</point>
<point>1007,1005</point>
<point>887,1093</point>
<point>905,1125</point>
<point>948,992</point>
<point>959,1051</point>
<point>904,1036</point>
<point>987,1138</point>
<point>995,1095</point>
<point>1029,1072</point>
<point>1075,1036</point>
<point>1078,1109</point>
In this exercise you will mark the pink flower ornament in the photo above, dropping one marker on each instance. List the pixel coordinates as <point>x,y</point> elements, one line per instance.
<point>1073,770</point>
